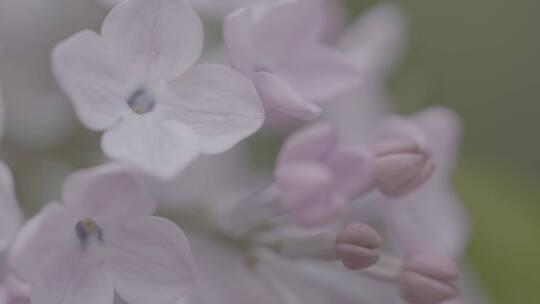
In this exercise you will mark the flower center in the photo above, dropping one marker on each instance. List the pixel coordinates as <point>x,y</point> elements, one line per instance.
<point>141,102</point>
<point>87,229</point>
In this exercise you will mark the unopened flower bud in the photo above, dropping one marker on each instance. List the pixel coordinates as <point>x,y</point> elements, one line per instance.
<point>355,246</point>
<point>428,279</point>
<point>401,166</point>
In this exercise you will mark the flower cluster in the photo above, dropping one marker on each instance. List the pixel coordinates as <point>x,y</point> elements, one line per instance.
<point>358,207</point>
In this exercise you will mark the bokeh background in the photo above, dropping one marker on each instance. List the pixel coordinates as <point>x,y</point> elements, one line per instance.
<point>479,57</point>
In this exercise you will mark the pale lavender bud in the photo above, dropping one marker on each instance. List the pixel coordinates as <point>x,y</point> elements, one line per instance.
<point>355,246</point>
<point>401,166</point>
<point>428,279</point>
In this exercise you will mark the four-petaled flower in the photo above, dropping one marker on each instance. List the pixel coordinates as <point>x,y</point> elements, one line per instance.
<point>135,82</point>
<point>101,239</point>
<point>278,46</point>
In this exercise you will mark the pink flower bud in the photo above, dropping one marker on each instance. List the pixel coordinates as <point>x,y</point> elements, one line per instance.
<point>427,279</point>
<point>355,244</point>
<point>401,166</point>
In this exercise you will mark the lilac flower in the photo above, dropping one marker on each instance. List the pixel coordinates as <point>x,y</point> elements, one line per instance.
<point>433,217</point>
<point>10,213</point>
<point>317,177</point>
<point>135,82</point>
<point>278,46</point>
<point>101,239</point>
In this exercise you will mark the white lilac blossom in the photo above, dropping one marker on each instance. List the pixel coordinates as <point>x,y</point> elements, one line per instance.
<point>10,213</point>
<point>100,240</point>
<point>136,82</point>
<point>278,46</point>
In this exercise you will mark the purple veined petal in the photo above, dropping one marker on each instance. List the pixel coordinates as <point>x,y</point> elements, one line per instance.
<point>313,143</point>
<point>237,28</point>
<point>352,168</point>
<point>319,72</point>
<point>376,40</point>
<point>51,230</point>
<point>11,216</point>
<point>321,211</point>
<point>157,39</point>
<point>73,276</point>
<point>159,147</point>
<point>88,73</point>
<point>277,94</point>
<point>218,103</point>
<point>108,194</point>
<point>150,261</point>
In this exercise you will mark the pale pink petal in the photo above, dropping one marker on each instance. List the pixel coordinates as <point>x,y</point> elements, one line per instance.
<point>159,147</point>
<point>108,194</point>
<point>261,35</point>
<point>314,143</point>
<point>51,230</point>
<point>157,39</point>
<point>376,40</point>
<point>284,25</point>
<point>278,95</point>
<point>150,261</point>
<point>319,72</point>
<point>352,169</point>
<point>218,103</point>
<point>72,276</point>
<point>92,79</point>
<point>10,213</point>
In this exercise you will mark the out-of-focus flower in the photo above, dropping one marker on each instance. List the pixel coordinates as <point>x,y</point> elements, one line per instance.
<point>355,244</point>
<point>14,291</point>
<point>278,46</point>
<point>10,212</point>
<point>317,177</point>
<point>99,240</point>
<point>401,166</point>
<point>135,82</point>
<point>428,279</point>
<point>433,217</point>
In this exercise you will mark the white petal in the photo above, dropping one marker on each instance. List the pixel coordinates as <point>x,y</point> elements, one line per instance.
<point>277,94</point>
<point>107,194</point>
<point>156,39</point>
<point>10,212</point>
<point>52,229</point>
<point>218,103</point>
<point>319,72</point>
<point>92,79</point>
<point>158,147</point>
<point>150,261</point>
<point>73,276</point>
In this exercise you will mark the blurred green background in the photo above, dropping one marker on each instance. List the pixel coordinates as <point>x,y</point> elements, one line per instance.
<point>482,58</point>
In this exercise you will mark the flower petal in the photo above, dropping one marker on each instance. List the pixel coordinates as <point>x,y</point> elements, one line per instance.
<point>150,261</point>
<point>158,147</point>
<point>313,143</point>
<point>218,103</point>
<point>156,39</point>
<point>319,72</point>
<point>93,80</point>
<point>107,194</point>
<point>73,276</point>
<point>10,212</point>
<point>352,169</point>
<point>277,94</point>
<point>257,35</point>
<point>52,229</point>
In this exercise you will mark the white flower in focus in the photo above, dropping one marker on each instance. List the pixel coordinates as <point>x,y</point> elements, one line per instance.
<point>136,82</point>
